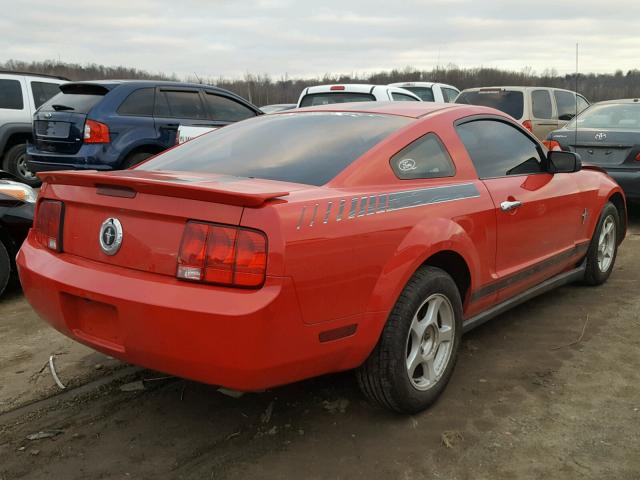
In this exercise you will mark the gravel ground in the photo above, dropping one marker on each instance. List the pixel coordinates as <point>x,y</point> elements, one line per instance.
<point>527,400</point>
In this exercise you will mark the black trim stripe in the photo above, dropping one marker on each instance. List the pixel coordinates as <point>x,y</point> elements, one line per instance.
<point>517,277</point>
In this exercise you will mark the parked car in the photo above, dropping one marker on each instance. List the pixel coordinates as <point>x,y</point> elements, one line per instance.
<point>607,134</point>
<point>362,235</point>
<point>430,91</point>
<point>539,109</point>
<point>115,124</point>
<point>16,216</point>
<point>20,95</point>
<point>327,94</point>
<point>278,107</point>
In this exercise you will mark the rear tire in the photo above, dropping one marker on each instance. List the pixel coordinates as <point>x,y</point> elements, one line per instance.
<point>417,350</point>
<point>134,159</point>
<point>16,162</point>
<point>5,268</point>
<point>601,256</point>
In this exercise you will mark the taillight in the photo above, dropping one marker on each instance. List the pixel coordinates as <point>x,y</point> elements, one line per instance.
<point>222,254</point>
<point>527,124</point>
<point>638,157</point>
<point>48,224</point>
<point>552,145</point>
<point>336,87</point>
<point>96,132</point>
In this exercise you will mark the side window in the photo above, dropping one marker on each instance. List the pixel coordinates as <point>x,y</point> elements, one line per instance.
<point>541,104</point>
<point>43,91</point>
<point>566,103</point>
<point>449,94</point>
<point>182,104</point>
<point>139,103</point>
<point>11,95</point>
<point>424,158</point>
<point>401,97</point>
<point>582,103</point>
<point>226,110</point>
<point>498,149</point>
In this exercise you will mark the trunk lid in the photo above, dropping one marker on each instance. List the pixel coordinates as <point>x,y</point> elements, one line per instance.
<point>58,126</point>
<point>152,209</point>
<point>606,147</point>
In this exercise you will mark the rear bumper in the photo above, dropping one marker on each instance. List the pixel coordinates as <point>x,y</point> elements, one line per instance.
<point>629,181</point>
<point>89,157</point>
<point>240,339</point>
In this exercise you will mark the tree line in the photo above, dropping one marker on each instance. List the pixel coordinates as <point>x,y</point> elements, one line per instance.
<point>262,89</point>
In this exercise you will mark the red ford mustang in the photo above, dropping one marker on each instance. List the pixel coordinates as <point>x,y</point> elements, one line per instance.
<point>361,235</point>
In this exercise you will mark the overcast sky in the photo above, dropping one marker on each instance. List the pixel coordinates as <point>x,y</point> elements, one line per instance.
<point>231,38</point>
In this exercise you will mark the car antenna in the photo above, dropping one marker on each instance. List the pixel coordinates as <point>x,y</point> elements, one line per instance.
<point>575,139</point>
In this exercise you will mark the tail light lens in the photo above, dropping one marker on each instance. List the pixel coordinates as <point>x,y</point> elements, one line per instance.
<point>48,224</point>
<point>638,157</point>
<point>96,132</point>
<point>552,145</point>
<point>222,254</point>
<point>528,125</point>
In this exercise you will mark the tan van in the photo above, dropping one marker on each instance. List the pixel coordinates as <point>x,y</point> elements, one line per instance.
<point>539,109</point>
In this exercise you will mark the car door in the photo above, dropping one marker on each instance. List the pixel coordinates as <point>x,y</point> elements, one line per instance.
<point>538,215</point>
<point>175,106</point>
<point>544,119</point>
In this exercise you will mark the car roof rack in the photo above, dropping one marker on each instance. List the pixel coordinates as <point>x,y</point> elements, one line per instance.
<point>15,72</point>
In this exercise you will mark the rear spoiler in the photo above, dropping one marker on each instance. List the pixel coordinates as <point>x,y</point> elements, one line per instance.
<point>229,190</point>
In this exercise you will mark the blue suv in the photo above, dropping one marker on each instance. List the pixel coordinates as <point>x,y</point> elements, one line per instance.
<point>112,124</point>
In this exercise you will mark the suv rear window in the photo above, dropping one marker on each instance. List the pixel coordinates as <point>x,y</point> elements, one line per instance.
<point>11,95</point>
<point>77,98</point>
<point>327,98</point>
<point>425,93</point>
<point>508,101</point>
<point>309,148</point>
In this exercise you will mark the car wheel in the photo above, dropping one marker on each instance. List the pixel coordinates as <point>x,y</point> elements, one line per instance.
<point>603,249</point>
<point>134,159</point>
<point>5,268</point>
<point>16,161</point>
<point>416,353</point>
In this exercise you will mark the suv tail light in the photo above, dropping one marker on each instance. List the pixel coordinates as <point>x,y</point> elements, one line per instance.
<point>222,254</point>
<point>48,224</point>
<point>552,145</point>
<point>96,132</point>
<point>528,125</point>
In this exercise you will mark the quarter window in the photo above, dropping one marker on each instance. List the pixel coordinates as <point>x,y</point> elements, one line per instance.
<point>180,104</point>
<point>226,110</point>
<point>424,158</point>
<point>449,94</point>
<point>139,102</point>
<point>582,103</point>
<point>401,97</point>
<point>43,91</point>
<point>498,149</point>
<point>541,104</point>
<point>566,103</point>
<point>11,95</point>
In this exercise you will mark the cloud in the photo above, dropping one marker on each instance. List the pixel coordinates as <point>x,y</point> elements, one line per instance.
<point>228,38</point>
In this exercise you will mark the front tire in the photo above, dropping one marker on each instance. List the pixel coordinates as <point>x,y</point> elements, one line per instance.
<point>5,268</point>
<point>603,249</point>
<point>16,161</point>
<point>417,350</point>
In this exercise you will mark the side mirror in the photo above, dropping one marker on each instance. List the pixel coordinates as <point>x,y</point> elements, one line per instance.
<point>563,162</point>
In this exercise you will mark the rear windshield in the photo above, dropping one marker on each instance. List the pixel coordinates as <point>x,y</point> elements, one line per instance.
<point>425,93</point>
<point>618,116</point>
<point>77,98</point>
<point>335,97</point>
<point>507,101</point>
<point>309,148</point>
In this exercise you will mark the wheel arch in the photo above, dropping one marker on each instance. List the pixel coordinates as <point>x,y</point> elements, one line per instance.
<point>12,135</point>
<point>151,148</point>
<point>618,201</point>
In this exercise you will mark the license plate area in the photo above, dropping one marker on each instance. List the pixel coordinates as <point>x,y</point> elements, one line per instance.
<point>95,322</point>
<point>52,129</point>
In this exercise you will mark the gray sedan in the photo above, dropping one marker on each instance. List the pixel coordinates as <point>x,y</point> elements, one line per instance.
<point>607,134</point>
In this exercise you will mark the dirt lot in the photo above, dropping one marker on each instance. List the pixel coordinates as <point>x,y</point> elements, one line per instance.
<point>526,401</point>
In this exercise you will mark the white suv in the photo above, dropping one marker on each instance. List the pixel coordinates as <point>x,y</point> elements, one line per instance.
<point>430,91</point>
<point>20,96</point>
<point>327,94</point>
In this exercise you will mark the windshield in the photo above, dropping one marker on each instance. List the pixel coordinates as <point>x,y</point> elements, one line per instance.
<point>616,115</point>
<point>508,101</point>
<point>309,148</point>
<point>327,98</point>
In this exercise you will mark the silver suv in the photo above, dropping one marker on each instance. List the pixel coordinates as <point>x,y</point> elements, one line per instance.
<point>20,95</point>
<point>539,109</point>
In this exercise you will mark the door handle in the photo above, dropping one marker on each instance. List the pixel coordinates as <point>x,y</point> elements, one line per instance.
<point>508,206</point>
